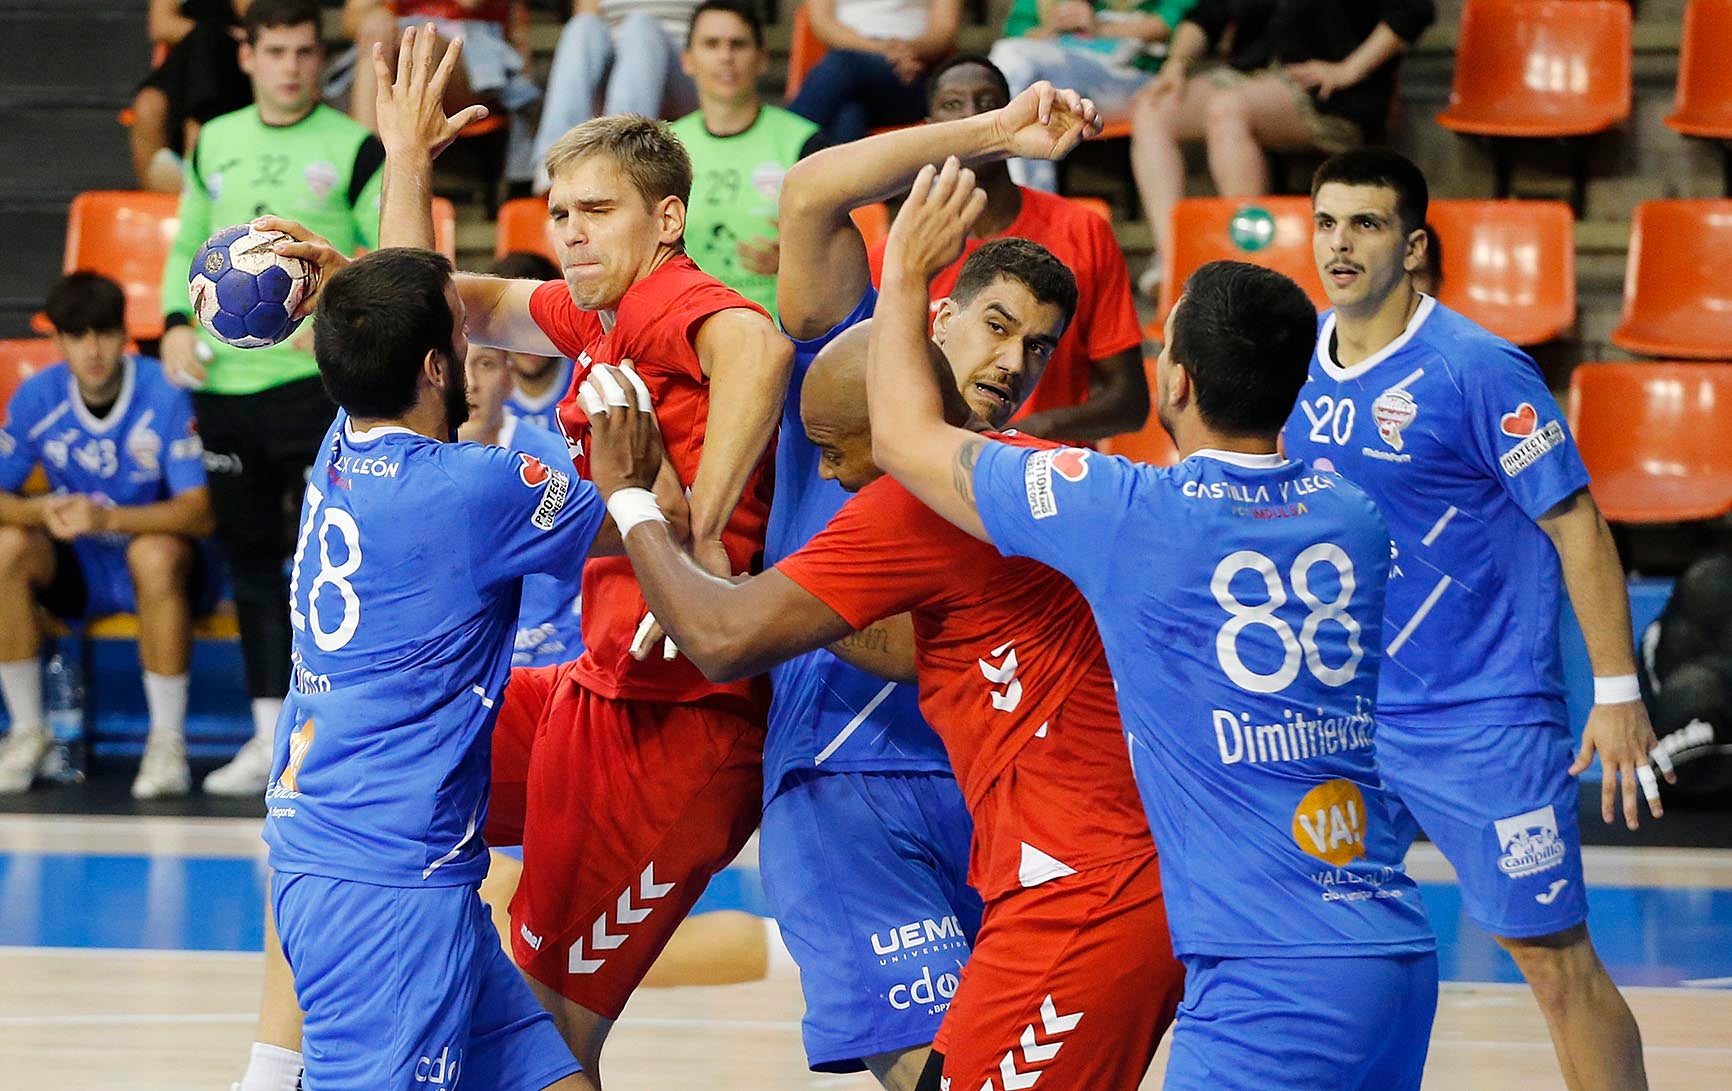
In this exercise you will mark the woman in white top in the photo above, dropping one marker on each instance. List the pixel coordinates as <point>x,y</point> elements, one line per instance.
<point>875,72</point>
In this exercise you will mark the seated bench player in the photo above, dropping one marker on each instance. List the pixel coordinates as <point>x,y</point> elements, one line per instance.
<point>404,598</point>
<point>119,531</point>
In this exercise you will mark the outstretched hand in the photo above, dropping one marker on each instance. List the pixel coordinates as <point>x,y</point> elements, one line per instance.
<point>1624,738</point>
<point>934,222</point>
<point>625,442</point>
<point>1046,122</point>
<point>315,249</point>
<point>411,106</point>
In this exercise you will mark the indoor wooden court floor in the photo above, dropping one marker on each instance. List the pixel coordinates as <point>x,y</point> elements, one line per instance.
<point>126,962</point>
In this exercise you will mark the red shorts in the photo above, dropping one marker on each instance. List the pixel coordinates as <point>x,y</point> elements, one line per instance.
<point>626,810</point>
<point>1082,962</point>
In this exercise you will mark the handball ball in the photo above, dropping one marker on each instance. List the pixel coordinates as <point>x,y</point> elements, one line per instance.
<point>243,291</point>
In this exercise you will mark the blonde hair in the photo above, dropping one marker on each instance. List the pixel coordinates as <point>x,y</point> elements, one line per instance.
<point>646,151</point>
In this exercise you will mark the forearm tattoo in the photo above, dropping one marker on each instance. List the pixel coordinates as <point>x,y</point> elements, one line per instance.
<point>963,469</point>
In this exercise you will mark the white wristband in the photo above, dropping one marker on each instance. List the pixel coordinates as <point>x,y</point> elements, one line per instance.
<point>629,507</point>
<point>1617,690</point>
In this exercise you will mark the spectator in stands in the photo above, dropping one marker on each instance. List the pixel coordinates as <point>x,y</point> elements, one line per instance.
<point>496,56</point>
<point>117,533</point>
<point>1094,386</point>
<point>538,383</point>
<point>875,73</point>
<point>262,412</point>
<point>740,150</point>
<point>199,78</point>
<point>616,57</point>
<point>1295,75</point>
<point>1110,48</point>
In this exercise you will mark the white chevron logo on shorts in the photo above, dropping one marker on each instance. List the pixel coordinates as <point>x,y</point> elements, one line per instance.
<point>625,915</point>
<point>1003,674</point>
<point>1034,1051</point>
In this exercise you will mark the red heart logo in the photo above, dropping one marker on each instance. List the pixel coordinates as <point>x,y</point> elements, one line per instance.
<point>534,472</point>
<point>1521,422</point>
<point>1071,463</point>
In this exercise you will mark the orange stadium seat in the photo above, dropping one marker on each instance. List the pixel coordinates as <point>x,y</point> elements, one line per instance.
<point>21,359</point>
<point>1540,68</point>
<point>1704,104</point>
<point>126,235</point>
<point>1509,265</point>
<point>523,226</point>
<point>1654,437</point>
<point>804,52</point>
<point>1203,231</point>
<point>1678,282</point>
<point>445,227</point>
<point>873,222</point>
<point>1151,444</point>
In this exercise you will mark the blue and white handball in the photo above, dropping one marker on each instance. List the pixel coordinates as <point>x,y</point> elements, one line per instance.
<point>244,292</point>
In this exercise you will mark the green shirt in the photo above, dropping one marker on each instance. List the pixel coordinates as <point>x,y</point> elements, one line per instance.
<point>323,171</point>
<point>736,182</point>
<point>1025,16</point>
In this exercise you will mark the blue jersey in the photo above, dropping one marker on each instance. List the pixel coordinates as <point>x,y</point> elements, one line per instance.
<point>404,598</point>
<point>145,449</point>
<point>550,621</point>
<point>542,412</point>
<point>1452,432</point>
<point>823,712</point>
<point>1240,600</point>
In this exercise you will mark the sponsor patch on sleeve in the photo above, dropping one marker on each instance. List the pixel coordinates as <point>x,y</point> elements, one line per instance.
<point>1037,479</point>
<point>1530,450</point>
<point>553,500</point>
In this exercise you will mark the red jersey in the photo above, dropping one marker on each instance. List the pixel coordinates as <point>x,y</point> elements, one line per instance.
<point>1105,322</point>
<point>494,11</point>
<point>654,327</point>
<point>1012,676</point>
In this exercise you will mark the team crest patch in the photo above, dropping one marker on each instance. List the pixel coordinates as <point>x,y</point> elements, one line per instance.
<point>1393,411</point>
<point>321,178</point>
<point>534,472</point>
<point>1530,842</point>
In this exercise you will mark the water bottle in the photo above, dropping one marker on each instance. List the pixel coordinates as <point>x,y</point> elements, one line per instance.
<point>64,696</point>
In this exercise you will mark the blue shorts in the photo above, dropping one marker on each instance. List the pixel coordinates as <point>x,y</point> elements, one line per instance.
<point>91,579</point>
<point>1500,804</point>
<point>407,989</point>
<point>1304,1024</point>
<point>867,877</point>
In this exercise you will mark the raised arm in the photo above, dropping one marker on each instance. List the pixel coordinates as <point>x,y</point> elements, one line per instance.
<point>823,263</point>
<point>748,364</point>
<point>414,129</point>
<point>1618,726</point>
<point>911,441</point>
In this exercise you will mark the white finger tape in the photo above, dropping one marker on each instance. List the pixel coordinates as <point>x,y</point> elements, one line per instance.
<point>643,629</point>
<point>590,400</point>
<point>610,387</point>
<point>643,395</point>
<point>1650,784</point>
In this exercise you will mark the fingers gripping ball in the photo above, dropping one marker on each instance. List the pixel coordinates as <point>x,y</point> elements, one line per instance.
<point>244,292</point>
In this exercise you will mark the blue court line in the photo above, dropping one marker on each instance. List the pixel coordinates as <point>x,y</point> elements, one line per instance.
<point>1647,936</point>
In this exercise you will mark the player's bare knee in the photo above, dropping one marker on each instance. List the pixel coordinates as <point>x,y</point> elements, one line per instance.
<point>159,564</point>
<point>1225,113</point>
<point>1558,967</point>
<point>20,555</point>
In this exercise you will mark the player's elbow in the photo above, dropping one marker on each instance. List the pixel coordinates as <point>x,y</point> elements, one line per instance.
<point>721,654</point>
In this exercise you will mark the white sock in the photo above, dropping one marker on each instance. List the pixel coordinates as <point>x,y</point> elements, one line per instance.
<point>21,686</point>
<point>165,698</point>
<point>265,713</point>
<point>272,1068</point>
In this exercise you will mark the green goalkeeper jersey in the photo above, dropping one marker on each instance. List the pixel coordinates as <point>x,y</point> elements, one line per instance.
<point>736,182</point>
<point>323,171</point>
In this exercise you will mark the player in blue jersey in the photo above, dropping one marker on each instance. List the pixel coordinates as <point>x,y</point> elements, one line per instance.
<point>1452,431</point>
<point>538,382</point>
<point>404,597</point>
<point>1239,597</point>
<point>852,774</point>
<point>118,534</point>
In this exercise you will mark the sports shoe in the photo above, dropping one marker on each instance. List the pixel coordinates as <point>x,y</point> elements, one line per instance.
<point>163,772</point>
<point>22,757</point>
<point>246,775</point>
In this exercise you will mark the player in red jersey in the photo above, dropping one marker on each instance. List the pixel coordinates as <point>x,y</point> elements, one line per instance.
<point>644,778</point>
<point>1094,386</point>
<point>1072,980</point>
